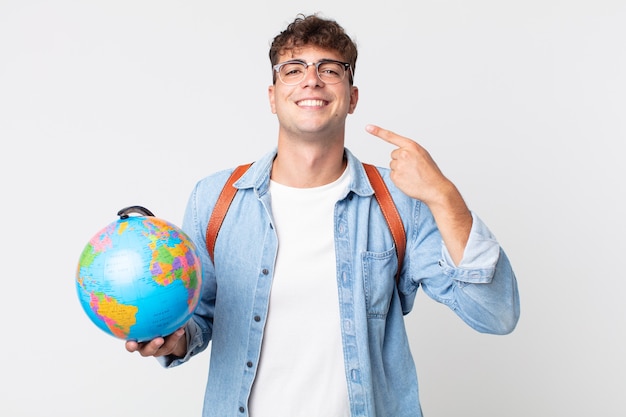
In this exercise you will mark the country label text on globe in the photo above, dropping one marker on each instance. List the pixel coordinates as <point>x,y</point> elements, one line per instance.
<point>139,278</point>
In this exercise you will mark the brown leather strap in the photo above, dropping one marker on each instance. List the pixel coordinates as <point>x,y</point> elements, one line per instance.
<point>221,207</point>
<point>390,212</point>
<point>381,192</point>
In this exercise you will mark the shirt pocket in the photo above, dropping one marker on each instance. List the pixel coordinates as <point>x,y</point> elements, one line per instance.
<point>379,270</point>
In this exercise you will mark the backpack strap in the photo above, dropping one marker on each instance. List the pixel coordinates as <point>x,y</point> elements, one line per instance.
<point>221,207</point>
<point>390,212</point>
<point>381,192</point>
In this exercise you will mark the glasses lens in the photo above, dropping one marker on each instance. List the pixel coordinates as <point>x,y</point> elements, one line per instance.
<point>331,72</point>
<point>292,72</point>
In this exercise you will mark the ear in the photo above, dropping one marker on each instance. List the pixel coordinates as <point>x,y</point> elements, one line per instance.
<point>271,96</point>
<point>354,98</point>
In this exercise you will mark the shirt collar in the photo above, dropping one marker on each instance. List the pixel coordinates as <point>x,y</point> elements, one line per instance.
<point>258,175</point>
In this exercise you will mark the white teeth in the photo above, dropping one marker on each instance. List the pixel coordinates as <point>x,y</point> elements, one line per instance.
<point>311,103</point>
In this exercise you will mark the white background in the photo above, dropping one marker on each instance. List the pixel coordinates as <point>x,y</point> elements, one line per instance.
<point>105,104</point>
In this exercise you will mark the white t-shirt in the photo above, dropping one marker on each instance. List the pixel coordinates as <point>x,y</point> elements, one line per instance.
<point>301,371</point>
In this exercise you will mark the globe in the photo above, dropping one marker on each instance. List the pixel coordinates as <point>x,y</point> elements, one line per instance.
<point>139,277</point>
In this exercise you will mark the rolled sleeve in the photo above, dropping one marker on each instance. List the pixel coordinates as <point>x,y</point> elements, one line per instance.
<point>479,258</point>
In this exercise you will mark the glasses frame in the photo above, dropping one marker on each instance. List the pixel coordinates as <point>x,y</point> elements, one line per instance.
<point>346,66</point>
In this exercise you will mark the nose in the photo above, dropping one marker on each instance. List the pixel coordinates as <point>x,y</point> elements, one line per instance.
<point>311,78</point>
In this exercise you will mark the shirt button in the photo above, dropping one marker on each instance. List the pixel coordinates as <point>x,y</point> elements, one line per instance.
<point>265,271</point>
<point>249,364</point>
<point>241,409</point>
<point>347,326</point>
<point>257,318</point>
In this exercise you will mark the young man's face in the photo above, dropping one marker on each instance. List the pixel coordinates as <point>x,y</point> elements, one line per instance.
<point>312,105</point>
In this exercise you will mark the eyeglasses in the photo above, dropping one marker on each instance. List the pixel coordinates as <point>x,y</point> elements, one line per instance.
<point>328,70</point>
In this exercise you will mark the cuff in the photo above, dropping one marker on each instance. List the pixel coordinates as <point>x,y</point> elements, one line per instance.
<point>479,258</point>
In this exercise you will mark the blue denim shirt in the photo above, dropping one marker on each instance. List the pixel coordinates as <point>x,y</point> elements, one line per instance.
<point>379,368</point>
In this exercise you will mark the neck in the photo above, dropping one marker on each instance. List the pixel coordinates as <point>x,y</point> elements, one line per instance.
<point>308,165</point>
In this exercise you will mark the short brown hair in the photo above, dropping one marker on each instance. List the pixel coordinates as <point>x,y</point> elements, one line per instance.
<point>315,31</point>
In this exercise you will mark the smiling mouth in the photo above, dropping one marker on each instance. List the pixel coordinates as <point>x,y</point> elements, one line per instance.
<point>311,103</point>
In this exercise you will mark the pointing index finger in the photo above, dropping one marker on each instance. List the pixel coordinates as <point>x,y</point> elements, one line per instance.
<point>387,135</point>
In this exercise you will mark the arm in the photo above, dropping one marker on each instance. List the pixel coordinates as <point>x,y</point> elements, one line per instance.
<point>470,273</point>
<point>417,175</point>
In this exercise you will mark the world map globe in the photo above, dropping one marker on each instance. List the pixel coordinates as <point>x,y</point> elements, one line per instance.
<point>139,277</point>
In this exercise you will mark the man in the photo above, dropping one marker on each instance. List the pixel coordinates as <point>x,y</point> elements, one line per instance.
<point>301,303</point>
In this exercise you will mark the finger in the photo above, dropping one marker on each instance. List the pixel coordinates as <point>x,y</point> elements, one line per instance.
<point>179,333</point>
<point>150,348</point>
<point>388,135</point>
<point>132,346</point>
<point>172,340</point>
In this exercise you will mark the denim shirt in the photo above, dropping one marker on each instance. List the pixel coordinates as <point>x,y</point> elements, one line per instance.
<point>379,367</point>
